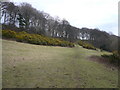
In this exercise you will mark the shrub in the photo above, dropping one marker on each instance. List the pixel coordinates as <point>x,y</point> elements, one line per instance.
<point>0,33</point>
<point>114,58</point>
<point>8,34</point>
<point>86,45</point>
<point>36,39</point>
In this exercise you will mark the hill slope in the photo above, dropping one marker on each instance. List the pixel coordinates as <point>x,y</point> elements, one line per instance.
<point>32,66</point>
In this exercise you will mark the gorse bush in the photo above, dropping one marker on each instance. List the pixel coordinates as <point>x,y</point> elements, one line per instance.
<point>8,34</point>
<point>86,45</point>
<point>35,39</point>
<point>114,58</point>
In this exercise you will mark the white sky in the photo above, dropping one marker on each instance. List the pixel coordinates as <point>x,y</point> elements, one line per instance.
<point>102,14</point>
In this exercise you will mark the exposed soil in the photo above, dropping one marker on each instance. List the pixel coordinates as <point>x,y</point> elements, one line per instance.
<point>104,61</point>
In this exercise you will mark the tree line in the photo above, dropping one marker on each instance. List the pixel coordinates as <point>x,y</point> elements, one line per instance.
<point>24,17</point>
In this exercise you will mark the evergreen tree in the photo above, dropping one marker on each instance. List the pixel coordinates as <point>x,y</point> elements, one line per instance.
<point>21,21</point>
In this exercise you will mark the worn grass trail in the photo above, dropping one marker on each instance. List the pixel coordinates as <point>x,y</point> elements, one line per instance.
<point>33,66</point>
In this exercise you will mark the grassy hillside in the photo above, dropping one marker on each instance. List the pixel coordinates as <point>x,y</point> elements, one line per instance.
<point>35,66</point>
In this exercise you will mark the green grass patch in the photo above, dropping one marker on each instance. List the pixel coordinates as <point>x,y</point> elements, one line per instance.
<point>31,66</point>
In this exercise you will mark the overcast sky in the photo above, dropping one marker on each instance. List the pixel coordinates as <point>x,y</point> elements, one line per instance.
<point>102,14</point>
